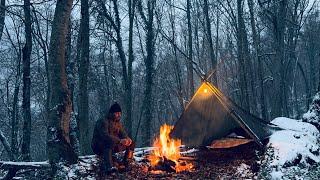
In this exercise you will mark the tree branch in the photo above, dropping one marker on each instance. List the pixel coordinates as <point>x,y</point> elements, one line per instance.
<point>106,15</point>
<point>143,17</point>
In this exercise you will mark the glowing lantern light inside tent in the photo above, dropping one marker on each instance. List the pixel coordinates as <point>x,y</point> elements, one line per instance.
<point>205,90</point>
<point>168,148</point>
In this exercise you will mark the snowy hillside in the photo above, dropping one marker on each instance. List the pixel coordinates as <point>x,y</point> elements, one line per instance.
<point>312,116</point>
<point>292,152</point>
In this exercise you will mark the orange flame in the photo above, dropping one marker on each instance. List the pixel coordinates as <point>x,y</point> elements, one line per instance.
<point>169,148</point>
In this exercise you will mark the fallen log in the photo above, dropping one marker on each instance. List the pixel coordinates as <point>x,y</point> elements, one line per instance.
<point>24,165</point>
<point>14,167</point>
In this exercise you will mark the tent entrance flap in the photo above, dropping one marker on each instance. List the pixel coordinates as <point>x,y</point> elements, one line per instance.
<point>210,116</point>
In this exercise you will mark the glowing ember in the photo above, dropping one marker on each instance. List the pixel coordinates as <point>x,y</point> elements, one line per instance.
<point>168,149</point>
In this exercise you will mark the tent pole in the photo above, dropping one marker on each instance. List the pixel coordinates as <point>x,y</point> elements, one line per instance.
<point>245,127</point>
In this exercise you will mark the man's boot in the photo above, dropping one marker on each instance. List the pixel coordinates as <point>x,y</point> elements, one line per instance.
<point>128,157</point>
<point>108,164</point>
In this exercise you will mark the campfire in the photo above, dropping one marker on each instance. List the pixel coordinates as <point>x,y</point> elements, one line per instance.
<point>166,155</point>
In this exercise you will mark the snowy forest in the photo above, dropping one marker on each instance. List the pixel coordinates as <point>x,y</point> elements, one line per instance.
<point>63,63</point>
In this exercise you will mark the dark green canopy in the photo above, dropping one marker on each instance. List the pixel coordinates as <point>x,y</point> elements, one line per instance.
<point>210,116</point>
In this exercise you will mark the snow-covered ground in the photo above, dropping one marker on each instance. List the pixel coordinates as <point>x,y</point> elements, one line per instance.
<point>291,152</point>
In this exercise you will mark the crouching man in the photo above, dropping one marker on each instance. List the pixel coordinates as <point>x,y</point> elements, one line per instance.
<point>110,137</point>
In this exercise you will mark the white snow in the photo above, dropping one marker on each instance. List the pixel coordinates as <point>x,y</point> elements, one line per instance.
<point>276,174</point>
<point>83,170</point>
<point>139,153</point>
<point>243,170</point>
<point>34,164</point>
<point>193,150</point>
<point>313,114</point>
<point>296,144</point>
<point>309,115</point>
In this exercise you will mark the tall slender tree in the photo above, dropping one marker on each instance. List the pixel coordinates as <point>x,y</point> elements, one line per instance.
<point>242,55</point>
<point>256,42</point>
<point>276,15</point>
<point>128,123</point>
<point>190,53</point>
<point>14,112</point>
<point>209,37</point>
<point>26,56</point>
<point>126,64</point>
<point>83,118</point>
<point>148,20</point>
<point>41,38</point>
<point>2,16</point>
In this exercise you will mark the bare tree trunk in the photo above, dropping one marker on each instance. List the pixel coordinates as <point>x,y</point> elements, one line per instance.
<point>308,90</point>
<point>312,52</point>
<point>26,55</point>
<point>190,52</point>
<point>249,73</point>
<point>242,57</point>
<point>70,65</point>
<point>6,146</point>
<point>279,31</point>
<point>176,60</point>
<point>14,114</point>
<point>132,6</point>
<point>60,105</point>
<point>106,78</point>
<point>217,39</point>
<point>295,106</point>
<point>126,66</point>
<point>103,91</point>
<point>83,110</point>
<point>198,51</point>
<point>149,63</point>
<point>209,37</point>
<point>256,42</point>
<point>2,16</point>
<point>292,35</point>
<point>277,18</point>
<point>43,44</point>
<point>312,73</point>
<point>71,77</point>
<point>12,171</point>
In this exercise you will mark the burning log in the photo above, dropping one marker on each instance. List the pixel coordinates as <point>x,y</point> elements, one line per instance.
<point>166,154</point>
<point>164,165</point>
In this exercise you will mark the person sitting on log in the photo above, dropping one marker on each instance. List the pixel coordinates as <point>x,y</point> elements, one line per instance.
<point>110,137</point>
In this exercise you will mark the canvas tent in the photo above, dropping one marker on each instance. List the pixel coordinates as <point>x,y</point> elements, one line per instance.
<point>210,116</point>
